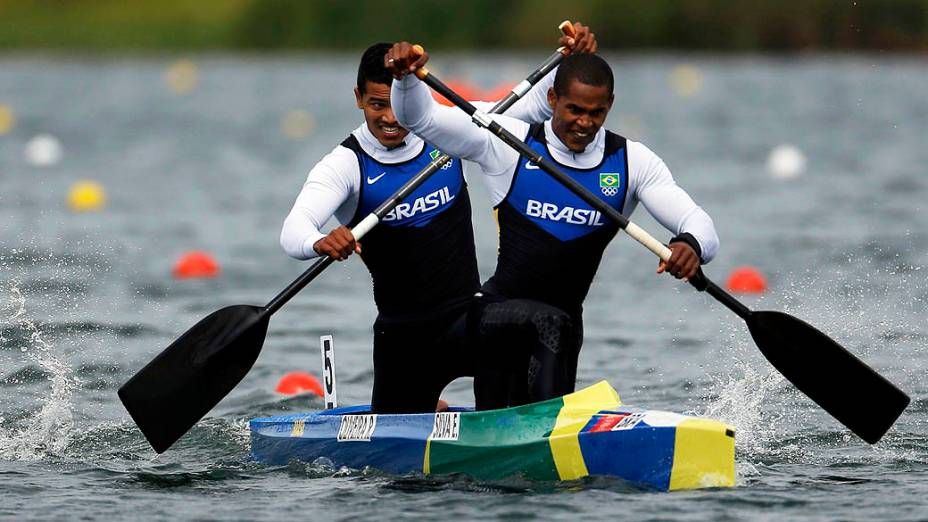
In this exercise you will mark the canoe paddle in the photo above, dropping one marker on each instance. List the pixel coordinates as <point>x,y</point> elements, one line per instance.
<point>185,381</point>
<point>843,385</point>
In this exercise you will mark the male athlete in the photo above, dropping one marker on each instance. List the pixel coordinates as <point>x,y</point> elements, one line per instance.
<point>551,241</point>
<point>421,257</point>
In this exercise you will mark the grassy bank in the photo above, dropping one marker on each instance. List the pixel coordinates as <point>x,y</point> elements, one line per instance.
<point>721,25</point>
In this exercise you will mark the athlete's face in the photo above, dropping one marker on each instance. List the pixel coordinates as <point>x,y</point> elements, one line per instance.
<point>375,102</point>
<point>579,114</point>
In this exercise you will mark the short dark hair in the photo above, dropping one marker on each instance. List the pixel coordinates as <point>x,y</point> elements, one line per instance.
<point>585,68</point>
<point>371,68</point>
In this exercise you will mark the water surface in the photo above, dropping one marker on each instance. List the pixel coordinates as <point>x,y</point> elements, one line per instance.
<point>87,299</point>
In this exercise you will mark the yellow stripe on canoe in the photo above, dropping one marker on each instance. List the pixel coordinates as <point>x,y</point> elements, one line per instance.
<point>703,455</point>
<point>426,465</point>
<point>579,407</point>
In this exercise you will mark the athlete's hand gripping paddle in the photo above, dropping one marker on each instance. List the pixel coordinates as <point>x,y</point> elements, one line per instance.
<point>179,386</point>
<point>844,386</point>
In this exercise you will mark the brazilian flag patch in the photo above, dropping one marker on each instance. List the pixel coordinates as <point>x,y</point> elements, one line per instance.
<point>609,183</point>
<point>435,154</point>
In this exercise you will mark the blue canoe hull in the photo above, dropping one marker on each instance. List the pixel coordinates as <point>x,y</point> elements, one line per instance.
<point>585,433</point>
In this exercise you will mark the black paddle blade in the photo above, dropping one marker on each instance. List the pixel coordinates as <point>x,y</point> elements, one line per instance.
<point>179,386</point>
<point>833,377</point>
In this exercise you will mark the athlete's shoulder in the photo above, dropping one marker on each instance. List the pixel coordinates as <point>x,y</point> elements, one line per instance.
<point>339,166</point>
<point>640,154</point>
<point>645,166</point>
<point>351,143</point>
<point>341,156</point>
<point>613,142</point>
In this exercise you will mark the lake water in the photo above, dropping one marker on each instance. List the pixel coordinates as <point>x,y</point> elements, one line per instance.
<point>86,299</point>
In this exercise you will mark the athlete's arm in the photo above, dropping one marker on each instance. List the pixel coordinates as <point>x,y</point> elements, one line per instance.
<point>673,208</point>
<point>330,189</point>
<point>338,244</point>
<point>450,129</point>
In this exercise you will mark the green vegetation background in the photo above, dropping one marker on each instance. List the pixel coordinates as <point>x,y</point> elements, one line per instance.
<point>732,25</point>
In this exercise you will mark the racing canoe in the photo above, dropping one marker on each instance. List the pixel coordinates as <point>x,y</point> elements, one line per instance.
<point>588,432</point>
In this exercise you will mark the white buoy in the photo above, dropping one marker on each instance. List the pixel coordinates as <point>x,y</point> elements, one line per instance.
<point>786,162</point>
<point>43,150</point>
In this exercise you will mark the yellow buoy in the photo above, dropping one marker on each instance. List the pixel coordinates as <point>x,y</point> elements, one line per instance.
<point>7,119</point>
<point>182,77</point>
<point>686,80</point>
<point>297,124</point>
<point>86,196</point>
<point>631,125</point>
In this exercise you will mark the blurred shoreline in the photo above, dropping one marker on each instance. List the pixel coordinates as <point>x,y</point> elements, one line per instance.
<point>143,26</point>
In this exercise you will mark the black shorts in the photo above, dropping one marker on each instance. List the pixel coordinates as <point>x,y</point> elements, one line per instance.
<point>415,360</point>
<point>527,351</point>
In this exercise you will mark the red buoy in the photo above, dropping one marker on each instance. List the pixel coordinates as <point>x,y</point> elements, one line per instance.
<point>467,91</point>
<point>747,280</point>
<point>298,382</point>
<point>196,264</point>
<point>498,93</point>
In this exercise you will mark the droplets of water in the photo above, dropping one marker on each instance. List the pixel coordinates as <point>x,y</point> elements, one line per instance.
<point>239,431</point>
<point>876,313</point>
<point>48,430</point>
<point>741,400</point>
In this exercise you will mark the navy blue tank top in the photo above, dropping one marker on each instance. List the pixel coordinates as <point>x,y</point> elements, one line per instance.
<point>421,256</point>
<point>551,241</point>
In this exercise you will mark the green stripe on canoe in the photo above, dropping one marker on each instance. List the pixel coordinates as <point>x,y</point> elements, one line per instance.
<point>499,443</point>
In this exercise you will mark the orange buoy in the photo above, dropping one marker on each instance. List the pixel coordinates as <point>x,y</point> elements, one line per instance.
<point>747,280</point>
<point>467,91</point>
<point>298,382</point>
<point>196,264</point>
<point>498,93</point>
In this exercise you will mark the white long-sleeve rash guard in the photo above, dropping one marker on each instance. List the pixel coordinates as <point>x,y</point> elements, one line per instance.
<point>649,180</point>
<point>333,185</point>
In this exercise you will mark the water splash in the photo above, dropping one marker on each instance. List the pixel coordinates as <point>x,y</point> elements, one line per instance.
<point>777,424</point>
<point>740,400</point>
<point>48,431</point>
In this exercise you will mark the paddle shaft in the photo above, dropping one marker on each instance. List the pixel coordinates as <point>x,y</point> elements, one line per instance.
<point>795,348</point>
<point>700,282</point>
<point>170,394</point>
<point>372,219</point>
